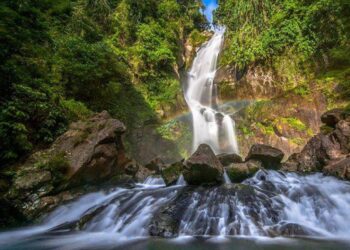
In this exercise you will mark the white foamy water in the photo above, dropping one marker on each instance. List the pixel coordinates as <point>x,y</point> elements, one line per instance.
<point>271,202</point>
<point>268,202</point>
<point>181,181</point>
<point>209,125</point>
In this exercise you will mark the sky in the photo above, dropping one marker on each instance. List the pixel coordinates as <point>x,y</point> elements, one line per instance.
<point>210,6</point>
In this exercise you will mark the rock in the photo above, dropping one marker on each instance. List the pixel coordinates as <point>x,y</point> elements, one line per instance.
<point>143,173</point>
<point>227,159</point>
<point>170,174</point>
<point>163,225</point>
<point>131,167</point>
<point>166,222</point>
<point>270,157</point>
<point>327,152</point>
<point>238,172</point>
<point>31,180</point>
<point>332,117</point>
<point>291,229</point>
<point>203,167</point>
<point>155,165</point>
<point>340,169</point>
<point>93,148</point>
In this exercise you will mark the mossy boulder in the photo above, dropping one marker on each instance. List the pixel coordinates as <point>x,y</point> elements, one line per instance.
<point>238,172</point>
<point>203,167</point>
<point>171,173</point>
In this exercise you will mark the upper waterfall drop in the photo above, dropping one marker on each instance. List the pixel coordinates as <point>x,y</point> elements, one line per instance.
<point>210,126</point>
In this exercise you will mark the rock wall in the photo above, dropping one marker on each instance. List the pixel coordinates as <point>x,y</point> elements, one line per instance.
<point>282,113</point>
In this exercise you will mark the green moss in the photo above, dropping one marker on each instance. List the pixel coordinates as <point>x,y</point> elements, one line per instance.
<point>265,129</point>
<point>294,123</point>
<point>237,174</point>
<point>297,140</point>
<point>245,130</point>
<point>302,90</point>
<point>57,164</point>
<point>171,173</point>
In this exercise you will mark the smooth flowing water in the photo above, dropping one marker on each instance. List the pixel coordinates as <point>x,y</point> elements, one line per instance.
<point>210,126</point>
<point>269,204</point>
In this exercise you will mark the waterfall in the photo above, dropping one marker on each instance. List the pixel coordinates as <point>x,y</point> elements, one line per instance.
<point>210,126</point>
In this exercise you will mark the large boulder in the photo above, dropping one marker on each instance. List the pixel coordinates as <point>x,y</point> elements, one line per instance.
<point>270,157</point>
<point>238,172</point>
<point>203,167</point>
<point>227,159</point>
<point>93,148</point>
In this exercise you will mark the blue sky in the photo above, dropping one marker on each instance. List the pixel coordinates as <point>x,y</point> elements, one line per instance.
<point>210,6</point>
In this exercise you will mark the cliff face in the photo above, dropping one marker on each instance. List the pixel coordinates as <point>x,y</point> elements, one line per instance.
<point>284,111</point>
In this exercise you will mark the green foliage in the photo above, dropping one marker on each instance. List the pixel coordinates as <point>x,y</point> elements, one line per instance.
<point>302,90</point>
<point>245,130</point>
<point>260,30</point>
<point>75,110</point>
<point>30,117</point>
<point>60,60</point>
<point>197,38</point>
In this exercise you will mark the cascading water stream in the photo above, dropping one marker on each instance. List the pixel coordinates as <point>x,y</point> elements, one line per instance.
<point>209,125</point>
<point>270,203</point>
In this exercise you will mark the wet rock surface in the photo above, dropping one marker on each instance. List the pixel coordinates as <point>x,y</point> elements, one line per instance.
<point>238,172</point>
<point>197,211</point>
<point>270,157</point>
<point>203,167</point>
<point>326,152</point>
